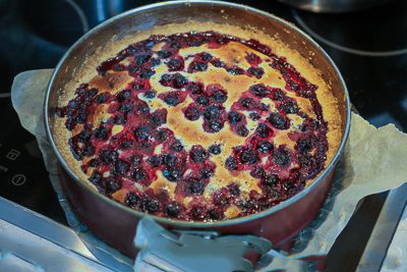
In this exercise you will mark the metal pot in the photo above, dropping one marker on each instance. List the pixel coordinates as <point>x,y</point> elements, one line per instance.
<point>115,223</point>
<point>333,5</point>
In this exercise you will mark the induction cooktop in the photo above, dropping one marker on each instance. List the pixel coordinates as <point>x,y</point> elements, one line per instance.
<point>368,46</point>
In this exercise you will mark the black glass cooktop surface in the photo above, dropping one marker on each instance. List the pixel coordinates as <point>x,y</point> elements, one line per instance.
<point>369,47</point>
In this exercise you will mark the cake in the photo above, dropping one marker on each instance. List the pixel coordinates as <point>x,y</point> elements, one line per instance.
<point>198,122</point>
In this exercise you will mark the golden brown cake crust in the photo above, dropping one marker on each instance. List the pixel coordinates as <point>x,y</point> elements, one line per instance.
<point>242,181</point>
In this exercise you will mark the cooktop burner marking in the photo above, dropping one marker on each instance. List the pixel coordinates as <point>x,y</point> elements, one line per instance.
<point>315,35</point>
<point>18,180</point>
<point>81,14</point>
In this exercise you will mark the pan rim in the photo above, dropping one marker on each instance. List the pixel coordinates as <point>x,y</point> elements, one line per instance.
<point>197,224</point>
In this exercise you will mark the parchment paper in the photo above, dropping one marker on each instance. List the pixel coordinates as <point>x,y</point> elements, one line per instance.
<point>375,160</point>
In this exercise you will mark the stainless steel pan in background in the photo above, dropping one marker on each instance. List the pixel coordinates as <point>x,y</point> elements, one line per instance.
<point>333,5</point>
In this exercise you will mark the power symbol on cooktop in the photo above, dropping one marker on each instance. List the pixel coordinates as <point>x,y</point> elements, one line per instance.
<point>18,180</point>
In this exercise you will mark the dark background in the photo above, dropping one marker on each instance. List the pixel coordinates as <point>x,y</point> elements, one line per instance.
<point>368,46</point>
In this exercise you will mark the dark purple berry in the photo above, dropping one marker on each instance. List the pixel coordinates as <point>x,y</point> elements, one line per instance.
<point>304,144</point>
<point>154,161</point>
<point>215,214</point>
<point>158,118</point>
<point>126,144</point>
<point>259,90</point>
<point>281,157</point>
<point>126,108</point>
<point>142,132</point>
<point>177,146</point>
<point>141,59</point>
<point>198,213</point>
<point>264,107</point>
<point>179,81</point>
<point>145,145</point>
<point>278,121</point>
<point>198,154</point>
<point>133,69</point>
<point>123,95</point>
<point>248,156</point>
<point>264,147</point>
<point>219,96</point>
<point>88,150</point>
<point>202,100</point>
<point>220,197</point>
<point>173,209</point>
<point>150,94</point>
<point>81,117</point>
<point>197,66</point>
<point>242,131</point>
<point>306,160</point>
<point>138,86</point>
<point>175,65</point>
<point>94,163</point>
<point>263,130</point>
<point>139,174</point>
<point>192,113</point>
<point>172,174</point>
<point>91,92</point>
<point>76,151</point>
<point>101,98</point>
<point>231,163</point>
<point>195,88</point>
<point>196,186</point>
<point>112,185</point>
<point>164,54</point>
<point>278,95</point>
<point>108,156</point>
<point>234,189</point>
<point>247,205</point>
<point>150,205</point>
<point>206,172</point>
<point>146,74</point>
<point>258,72</point>
<point>84,136</point>
<point>172,99</point>
<point>234,117</point>
<point>289,107</point>
<point>254,116</point>
<point>95,178</point>
<point>119,119</point>
<point>257,172</point>
<point>132,200</point>
<point>215,126</point>
<point>217,63</point>
<point>212,113</point>
<point>246,102</point>
<point>206,56</point>
<point>143,109</point>
<point>270,180</point>
<point>121,167</point>
<point>235,71</point>
<point>215,149</point>
<point>293,85</point>
<point>136,160</point>
<point>169,160</point>
<point>155,62</point>
<point>162,135</point>
<point>175,45</point>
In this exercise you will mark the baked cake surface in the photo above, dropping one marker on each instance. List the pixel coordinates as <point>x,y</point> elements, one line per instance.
<point>198,122</point>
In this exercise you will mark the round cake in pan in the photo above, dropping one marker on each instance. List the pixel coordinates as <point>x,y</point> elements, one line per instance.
<point>199,122</point>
